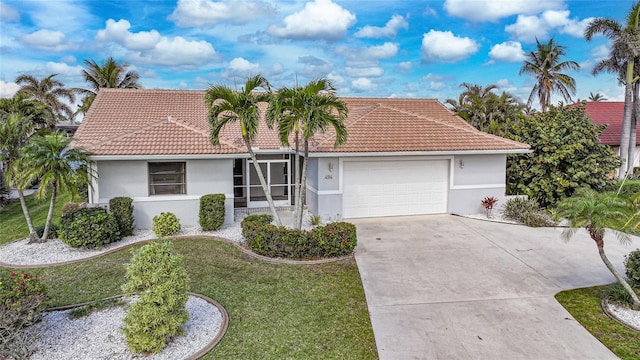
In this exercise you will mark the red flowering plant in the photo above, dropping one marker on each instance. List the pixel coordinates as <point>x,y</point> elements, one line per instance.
<point>22,301</point>
<point>488,202</point>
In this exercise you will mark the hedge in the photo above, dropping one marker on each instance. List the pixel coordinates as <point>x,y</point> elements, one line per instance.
<point>122,208</point>
<point>212,211</point>
<point>331,240</point>
<point>89,227</point>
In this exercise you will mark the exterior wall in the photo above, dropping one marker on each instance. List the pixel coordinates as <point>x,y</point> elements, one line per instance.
<point>130,178</point>
<point>324,197</point>
<point>469,182</point>
<point>636,163</point>
<point>474,177</point>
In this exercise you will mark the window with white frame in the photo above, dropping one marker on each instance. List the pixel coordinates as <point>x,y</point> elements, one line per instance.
<point>167,178</point>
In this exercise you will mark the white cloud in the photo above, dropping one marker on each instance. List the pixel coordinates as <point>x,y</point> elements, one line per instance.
<point>492,10</point>
<point>320,19</point>
<point>384,51</point>
<point>437,85</point>
<point>119,33</point>
<point>336,79</point>
<point>149,47</point>
<point>68,59</point>
<point>435,77</point>
<point>177,52</point>
<point>8,14</point>
<point>362,84</point>
<point>444,46</point>
<point>191,13</point>
<point>370,71</point>
<point>313,66</point>
<point>47,40</point>
<point>69,16</point>
<point>240,68</point>
<point>63,69</point>
<point>390,30</point>
<point>529,27</point>
<point>404,67</point>
<point>8,89</point>
<point>510,51</point>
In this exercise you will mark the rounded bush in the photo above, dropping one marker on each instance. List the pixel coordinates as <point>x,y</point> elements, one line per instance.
<point>537,219</point>
<point>53,230</point>
<point>516,208</point>
<point>122,209</point>
<point>166,224</point>
<point>89,227</point>
<point>632,267</point>
<point>159,278</point>
<point>212,211</point>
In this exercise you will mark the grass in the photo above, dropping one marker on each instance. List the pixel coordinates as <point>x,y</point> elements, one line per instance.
<point>276,311</point>
<point>14,226</point>
<point>584,306</point>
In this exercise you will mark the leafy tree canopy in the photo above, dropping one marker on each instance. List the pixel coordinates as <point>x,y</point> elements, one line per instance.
<point>567,155</point>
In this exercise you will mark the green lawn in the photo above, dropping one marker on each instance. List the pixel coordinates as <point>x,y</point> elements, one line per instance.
<point>584,306</point>
<point>276,311</point>
<point>13,224</point>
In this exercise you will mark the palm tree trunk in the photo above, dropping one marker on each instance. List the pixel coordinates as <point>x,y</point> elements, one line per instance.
<point>265,188</point>
<point>52,205</point>
<point>33,236</point>
<point>616,274</point>
<point>297,177</point>
<point>626,122</point>
<point>303,184</point>
<point>634,125</point>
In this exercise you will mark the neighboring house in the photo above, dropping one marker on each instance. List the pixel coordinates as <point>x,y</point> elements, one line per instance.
<point>402,157</point>
<point>610,113</point>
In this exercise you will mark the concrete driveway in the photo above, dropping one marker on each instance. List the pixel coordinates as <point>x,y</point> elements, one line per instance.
<point>446,287</point>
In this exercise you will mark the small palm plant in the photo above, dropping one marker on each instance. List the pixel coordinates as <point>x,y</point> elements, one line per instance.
<point>598,212</point>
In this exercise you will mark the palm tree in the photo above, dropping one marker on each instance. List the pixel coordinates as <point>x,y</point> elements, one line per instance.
<point>110,74</point>
<point>306,111</point>
<point>227,106</point>
<point>14,134</point>
<point>38,113</point>
<point>597,212</point>
<point>49,91</point>
<point>597,97</point>
<point>621,61</point>
<point>545,65</point>
<point>48,159</point>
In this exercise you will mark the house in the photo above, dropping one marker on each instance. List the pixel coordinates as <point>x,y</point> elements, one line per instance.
<point>402,157</point>
<point>610,114</point>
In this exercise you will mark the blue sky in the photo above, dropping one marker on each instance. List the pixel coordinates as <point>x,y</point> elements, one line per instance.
<point>374,48</point>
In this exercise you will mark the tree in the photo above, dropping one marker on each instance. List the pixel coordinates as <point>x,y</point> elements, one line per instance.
<point>227,106</point>
<point>38,113</point>
<point>545,65</point>
<point>485,110</point>
<point>14,134</point>
<point>566,155</point>
<point>110,74</point>
<point>306,111</point>
<point>621,61</point>
<point>597,212</point>
<point>50,92</point>
<point>48,159</point>
<point>597,97</point>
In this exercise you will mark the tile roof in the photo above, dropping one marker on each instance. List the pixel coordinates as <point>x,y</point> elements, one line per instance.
<point>608,113</point>
<point>174,122</point>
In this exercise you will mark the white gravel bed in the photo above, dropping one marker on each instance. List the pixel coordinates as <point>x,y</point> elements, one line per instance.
<point>55,251</point>
<point>628,316</point>
<point>98,335</point>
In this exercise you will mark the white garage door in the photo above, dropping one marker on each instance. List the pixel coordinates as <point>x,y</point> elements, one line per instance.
<point>389,188</point>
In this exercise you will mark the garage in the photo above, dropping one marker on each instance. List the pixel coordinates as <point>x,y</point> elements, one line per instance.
<point>394,187</point>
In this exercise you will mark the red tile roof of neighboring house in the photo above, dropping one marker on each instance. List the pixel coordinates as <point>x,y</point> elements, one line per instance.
<point>608,113</point>
<point>175,122</point>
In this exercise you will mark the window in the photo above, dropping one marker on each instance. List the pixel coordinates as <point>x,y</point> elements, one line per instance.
<point>167,178</point>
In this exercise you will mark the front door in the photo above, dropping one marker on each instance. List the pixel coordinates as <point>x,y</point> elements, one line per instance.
<point>276,174</point>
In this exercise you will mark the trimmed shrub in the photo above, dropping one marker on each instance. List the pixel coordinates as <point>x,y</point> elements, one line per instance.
<point>166,224</point>
<point>252,223</point>
<point>334,239</point>
<point>122,208</point>
<point>516,208</point>
<point>212,211</point>
<point>632,267</point>
<point>53,230</point>
<point>159,277</point>
<point>22,301</point>
<point>70,207</point>
<point>89,227</point>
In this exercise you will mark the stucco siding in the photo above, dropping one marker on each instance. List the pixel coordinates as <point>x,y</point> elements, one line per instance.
<point>467,201</point>
<point>130,178</point>
<point>474,170</point>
